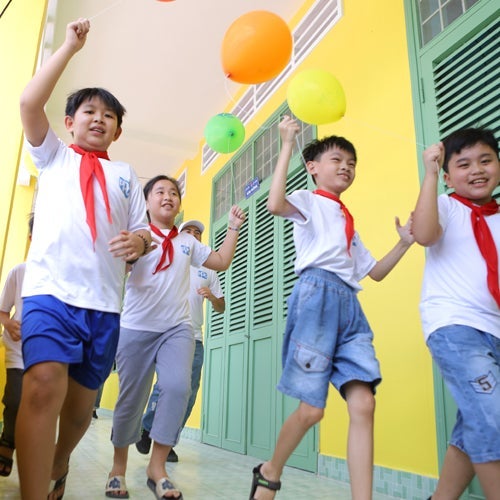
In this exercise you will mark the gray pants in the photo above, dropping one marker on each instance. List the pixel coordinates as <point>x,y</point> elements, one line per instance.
<point>139,354</point>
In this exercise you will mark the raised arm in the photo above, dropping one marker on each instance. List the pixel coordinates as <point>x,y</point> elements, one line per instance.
<point>387,263</point>
<point>38,91</point>
<point>277,203</point>
<point>426,228</point>
<point>221,259</point>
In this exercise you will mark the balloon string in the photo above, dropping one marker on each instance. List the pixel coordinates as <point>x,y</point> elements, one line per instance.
<point>106,9</point>
<point>232,100</point>
<point>300,150</point>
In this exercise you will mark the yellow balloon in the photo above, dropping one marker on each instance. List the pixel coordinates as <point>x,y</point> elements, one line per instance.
<point>315,96</point>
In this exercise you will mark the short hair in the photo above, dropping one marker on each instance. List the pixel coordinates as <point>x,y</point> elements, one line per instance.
<point>317,147</point>
<point>77,98</point>
<point>466,138</point>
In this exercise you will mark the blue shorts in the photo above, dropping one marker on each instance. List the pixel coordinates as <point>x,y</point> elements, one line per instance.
<point>84,339</point>
<point>327,339</point>
<point>469,361</point>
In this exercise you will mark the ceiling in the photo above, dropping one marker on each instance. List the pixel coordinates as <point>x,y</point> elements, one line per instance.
<point>162,61</point>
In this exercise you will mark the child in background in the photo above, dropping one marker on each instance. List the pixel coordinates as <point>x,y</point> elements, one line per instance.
<point>327,338</point>
<point>11,298</point>
<point>90,219</point>
<point>460,303</point>
<point>156,334</point>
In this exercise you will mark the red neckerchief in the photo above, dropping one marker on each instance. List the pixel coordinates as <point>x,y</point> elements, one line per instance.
<point>484,240</point>
<point>91,167</point>
<point>167,247</point>
<point>349,220</point>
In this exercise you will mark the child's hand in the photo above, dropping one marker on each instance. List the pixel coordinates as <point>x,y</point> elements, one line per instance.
<point>433,158</point>
<point>236,217</point>
<point>289,128</point>
<point>127,246</point>
<point>13,328</point>
<point>76,33</point>
<point>205,292</point>
<point>405,232</point>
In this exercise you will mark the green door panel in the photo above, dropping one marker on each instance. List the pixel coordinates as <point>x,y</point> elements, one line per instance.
<point>214,376</point>
<point>235,401</point>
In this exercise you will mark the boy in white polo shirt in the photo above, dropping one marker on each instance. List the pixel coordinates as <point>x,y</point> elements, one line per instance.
<point>327,338</point>
<point>90,218</point>
<point>460,303</point>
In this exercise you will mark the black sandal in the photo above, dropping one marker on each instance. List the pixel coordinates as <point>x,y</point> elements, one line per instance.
<point>6,462</point>
<point>259,480</point>
<point>58,486</point>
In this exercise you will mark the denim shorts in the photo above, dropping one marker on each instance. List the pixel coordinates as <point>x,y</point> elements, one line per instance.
<point>469,361</point>
<point>327,339</point>
<point>84,339</point>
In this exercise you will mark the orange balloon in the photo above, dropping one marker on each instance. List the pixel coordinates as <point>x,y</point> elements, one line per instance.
<point>256,47</point>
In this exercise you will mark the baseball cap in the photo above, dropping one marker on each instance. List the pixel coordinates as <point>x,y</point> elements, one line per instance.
<point>193,222</point>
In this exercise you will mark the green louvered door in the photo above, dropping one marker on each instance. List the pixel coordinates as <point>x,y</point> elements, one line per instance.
<point>226,373</point>
<point>305,455</point>
<point>242,410</point>
<point>263,338</point>
<point>272,279</point>
<point>459,87</point>
<point>213,379</point>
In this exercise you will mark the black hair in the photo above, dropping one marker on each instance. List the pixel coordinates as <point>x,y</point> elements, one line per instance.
<point>77,98</point>
<point>148,187</point>
<point>466,138</point>
<point>317,147</point>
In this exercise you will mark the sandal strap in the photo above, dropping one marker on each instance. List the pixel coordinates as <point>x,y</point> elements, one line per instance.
<point>7,444</point>
<point>265,483</point>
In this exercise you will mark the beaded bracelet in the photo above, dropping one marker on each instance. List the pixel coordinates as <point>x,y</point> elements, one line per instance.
<point>233,228</point>
<point>146,244</point>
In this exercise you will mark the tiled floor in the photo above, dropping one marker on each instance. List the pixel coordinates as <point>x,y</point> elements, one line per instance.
<point>203,472</point>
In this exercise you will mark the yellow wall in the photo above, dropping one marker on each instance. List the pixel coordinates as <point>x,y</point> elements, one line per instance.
<point>22,23</point>
<point>21,28</point>
<point>367,52</point>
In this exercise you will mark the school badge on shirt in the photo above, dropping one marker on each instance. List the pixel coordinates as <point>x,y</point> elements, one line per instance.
<point>125,187</point>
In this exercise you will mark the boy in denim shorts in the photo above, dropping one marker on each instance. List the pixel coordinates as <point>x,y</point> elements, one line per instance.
<point>461,299</point>
<point>327,338</point>
<point>90,219</point>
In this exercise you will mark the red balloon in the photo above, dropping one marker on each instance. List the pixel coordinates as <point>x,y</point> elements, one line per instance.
<point>256,47</point>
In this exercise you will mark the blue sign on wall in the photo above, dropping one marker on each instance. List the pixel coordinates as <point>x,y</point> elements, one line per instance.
<point>251,187</point>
